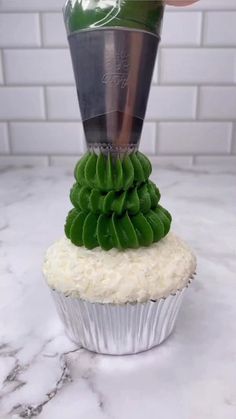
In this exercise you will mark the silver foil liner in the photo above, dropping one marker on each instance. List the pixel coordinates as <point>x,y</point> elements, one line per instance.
<point>118,329</point>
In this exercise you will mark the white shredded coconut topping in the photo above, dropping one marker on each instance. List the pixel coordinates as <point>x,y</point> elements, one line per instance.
<point>119,276</point>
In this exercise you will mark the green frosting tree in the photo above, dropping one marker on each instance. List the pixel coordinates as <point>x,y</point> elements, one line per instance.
<point>115,203</point>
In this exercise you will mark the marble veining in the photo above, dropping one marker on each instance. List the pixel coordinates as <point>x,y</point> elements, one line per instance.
<point>190,376</point>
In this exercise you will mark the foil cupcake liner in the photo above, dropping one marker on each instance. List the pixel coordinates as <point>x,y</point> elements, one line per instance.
<point>119,329</point>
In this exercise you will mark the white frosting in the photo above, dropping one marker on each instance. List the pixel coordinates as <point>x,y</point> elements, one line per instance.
<point>119,276</point>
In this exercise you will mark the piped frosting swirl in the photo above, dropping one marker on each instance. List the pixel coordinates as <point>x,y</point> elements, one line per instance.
<point>136,199</point>
<point>115,204</point>
<point>106,174</point>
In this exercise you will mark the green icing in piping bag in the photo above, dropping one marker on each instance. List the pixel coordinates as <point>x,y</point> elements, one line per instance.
<point>131,14</point>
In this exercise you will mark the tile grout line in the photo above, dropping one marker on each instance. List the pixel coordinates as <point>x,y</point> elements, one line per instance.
<point>194,160</point>
<point>72,155</point>
<point>50,164</point>
<point>233,139</point>
<point>203,23</point>
<point>198,103</point>
<point>3,67</point>
<point>40,21</point>
<point>169,10</point>
<point>48,160</point>
<point>162,84</point>
<point>9,138</point>
<point>158,75</point>
<point>45,103</point>
<point>180,85</point>
<point>42,157</point>
<point>148,120</point>
<point>162,47</point>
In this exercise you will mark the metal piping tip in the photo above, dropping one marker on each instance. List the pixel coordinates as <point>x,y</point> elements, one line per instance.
<point>113,71</point>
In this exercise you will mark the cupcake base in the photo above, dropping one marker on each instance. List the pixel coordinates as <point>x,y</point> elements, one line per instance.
<point>119,329</point>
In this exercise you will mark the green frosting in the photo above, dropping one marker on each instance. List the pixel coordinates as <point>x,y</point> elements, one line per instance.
<point>136,199</point>
<point>103,173</point>
<point>115,203</point>
<point>137,14</point>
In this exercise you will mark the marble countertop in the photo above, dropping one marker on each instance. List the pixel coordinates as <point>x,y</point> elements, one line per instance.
<point>191,376</point>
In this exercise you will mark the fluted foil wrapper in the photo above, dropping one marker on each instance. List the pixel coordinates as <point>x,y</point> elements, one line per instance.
<point>118,329</point>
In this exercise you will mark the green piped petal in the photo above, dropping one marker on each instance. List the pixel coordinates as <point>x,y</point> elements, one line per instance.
<point>76,230</point>
<point>83,198</point>
<point>165,212</point>
<point>74,195</point>
<point>146,164</point>
<point>143,230</point>
<point>69,220</point>
<point>118,175</point>
<point>138,170</point>
<point>133,201</point>
<point>103,232</point>
<point>128,173</point>
<point>80,167</point>
<point>109,179</point>
<point>108,200</point>
<point>128,236</point>
<point>163,217</point>
<point>114,229</point>
<point>156,225</point>
<point>101,175</point>
<point>90,231</point>
<point>94,200</point>
<point>145,200</point>
<point>89,170</point>
<point>154,194</point>
<point>119,203</point>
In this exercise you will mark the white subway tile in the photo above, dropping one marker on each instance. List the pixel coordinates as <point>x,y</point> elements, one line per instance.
<point>182,28</point>
<point>194,138</point>
<point>172,161</point>
<point>225,161</point>
<point>19,30</point>
<point>62,103</point>
<point>23,161</point>
<point>38,66</point>
<point>220,28</point>
<point>218,102</point>
<point>64,161</point>
<point>21,103</point>
<point>31,5</point>
<point>212,4</point>
<point>172,102</point>
<point>54,32</point>
<point>148,139</point>
<point>4,146</point>
<point>197,65</point>
<point>49,138</point>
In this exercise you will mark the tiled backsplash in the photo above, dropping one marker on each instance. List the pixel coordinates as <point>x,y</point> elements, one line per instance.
<point>192,107</point>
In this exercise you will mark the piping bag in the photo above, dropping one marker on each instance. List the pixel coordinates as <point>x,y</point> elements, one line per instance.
<point>113,46</point>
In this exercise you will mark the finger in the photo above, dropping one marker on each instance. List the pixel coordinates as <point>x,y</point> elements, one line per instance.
<point>180,2</point>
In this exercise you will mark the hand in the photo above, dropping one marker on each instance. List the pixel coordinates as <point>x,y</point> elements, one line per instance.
<point>180,2</point>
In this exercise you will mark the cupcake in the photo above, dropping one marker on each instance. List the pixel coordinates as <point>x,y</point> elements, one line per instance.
<point>119,274</point>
